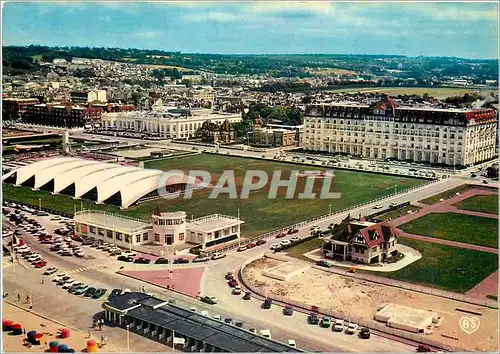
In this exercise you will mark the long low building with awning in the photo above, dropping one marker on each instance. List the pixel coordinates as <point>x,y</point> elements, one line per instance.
<point>163,322</point>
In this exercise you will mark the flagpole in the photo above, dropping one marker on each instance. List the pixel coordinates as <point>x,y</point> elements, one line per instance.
<point>173,341</point>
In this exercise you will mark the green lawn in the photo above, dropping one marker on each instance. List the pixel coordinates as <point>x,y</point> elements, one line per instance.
<point>304,247</point>
<point>394,214</point>
<point>456,227</point>
<point>440,267</point>
<point>483,203</point>
<point>259,213</point>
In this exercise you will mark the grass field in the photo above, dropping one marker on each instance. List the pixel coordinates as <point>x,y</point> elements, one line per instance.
<point>394,214</point>
<point>481,203</point>
<point>259,213</point>
<point>456,227</point>
<point>436,92</point>
<point>262,214</point>
<point>441,267</point>
<point>304,247</point>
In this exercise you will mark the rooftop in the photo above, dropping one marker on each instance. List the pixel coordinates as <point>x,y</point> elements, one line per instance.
<point>194,325</point>
<point>213,222</point>
<point>103,219</point>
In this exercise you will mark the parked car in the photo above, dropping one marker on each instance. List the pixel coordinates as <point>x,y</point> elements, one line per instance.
<point>237,290</point>
<point>267,304</point>
<point>239,324</point>
<point>313,318</point>
<point>292,231</point>
<point>260,242</point>
<point>247,296</point>
<point>275,246</point>
<point>291,343</point>
<point>294,238</point>
<point>338,326</point>
<point>212,300</point>
<point>98,293</point>
<point>288,310</point>
<point>323,263</point>
<point>252,330</point>
<point>89,292</point>
<point>200,259</point>
<point>80,290</point>
<point>285,243</point>
<point>232,283</point>
<point>422,348</point>
<point>378,206</point>
<point>79,254</point>
<point>181,261</point>
<point>229,276</point>
<point>326,322</point>
<point>142,260</point>
<point>161,260</point>
<point>393,204</point>
<point>115,292</point>
<point>281,234</point>
<point>40,264</point>
<point>229,321</point>
<point>351,329</point>
<point>125,259</point>
<point>218,255</point>
<point>62,280</point>
<point>364,333</point>
<point>68,283</point>
<point>50,271</point>
<point>242,248</point>
<point>129,253</point>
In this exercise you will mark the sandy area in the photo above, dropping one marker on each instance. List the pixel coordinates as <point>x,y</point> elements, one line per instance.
<point>360,299</point>
<point>30,321</point>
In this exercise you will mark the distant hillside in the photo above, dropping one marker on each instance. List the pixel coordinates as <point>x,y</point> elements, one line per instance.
<point>287,65</point>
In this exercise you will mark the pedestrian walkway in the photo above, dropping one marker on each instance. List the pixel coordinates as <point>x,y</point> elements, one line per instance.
<point>82,269</point>
<point>488,286</point>
<point>445,206</point>
<point>447,242</point>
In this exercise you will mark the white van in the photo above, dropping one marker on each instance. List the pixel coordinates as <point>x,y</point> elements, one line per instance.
<point>265,333</point>
<point>291,343</point>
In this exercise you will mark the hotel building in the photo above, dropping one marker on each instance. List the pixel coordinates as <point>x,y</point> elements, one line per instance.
<point>383,130</point>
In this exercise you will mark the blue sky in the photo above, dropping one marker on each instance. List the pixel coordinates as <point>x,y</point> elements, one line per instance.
<point>467,30</point>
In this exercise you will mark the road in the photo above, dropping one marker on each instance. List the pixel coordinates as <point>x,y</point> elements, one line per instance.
<point>97,269</point>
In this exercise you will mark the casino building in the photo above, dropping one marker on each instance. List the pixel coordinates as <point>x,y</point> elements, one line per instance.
<point>383,130</point>
<point>168,229</point>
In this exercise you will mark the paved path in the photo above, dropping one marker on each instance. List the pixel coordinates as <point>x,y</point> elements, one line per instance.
<point>447,242</point>
<point>446,206</point>
<point>488,286</point>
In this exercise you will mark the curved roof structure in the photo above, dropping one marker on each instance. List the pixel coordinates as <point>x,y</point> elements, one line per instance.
<point>107,179</point>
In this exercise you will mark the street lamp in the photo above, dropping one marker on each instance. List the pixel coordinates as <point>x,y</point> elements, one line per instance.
<point>330,209</point>
<point>128,338</point>
<point>395,189</point>
<point>40,204</point>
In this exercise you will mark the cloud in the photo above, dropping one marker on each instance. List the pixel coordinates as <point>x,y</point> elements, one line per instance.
<point>212,16</point>
<point>146,34</point>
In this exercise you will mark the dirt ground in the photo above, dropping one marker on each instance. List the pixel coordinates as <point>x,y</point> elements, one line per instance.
<point>360,299</point>
<point>77,340</point>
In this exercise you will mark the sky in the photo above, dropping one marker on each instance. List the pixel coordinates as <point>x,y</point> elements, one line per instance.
<point>468,30</point>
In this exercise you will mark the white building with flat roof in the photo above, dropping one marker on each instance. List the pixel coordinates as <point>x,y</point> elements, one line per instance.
<point>168,229</point>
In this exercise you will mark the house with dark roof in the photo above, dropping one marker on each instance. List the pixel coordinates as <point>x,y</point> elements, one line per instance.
<point>361,241</point>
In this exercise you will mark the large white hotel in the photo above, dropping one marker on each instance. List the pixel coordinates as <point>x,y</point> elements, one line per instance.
<point>383,130</point>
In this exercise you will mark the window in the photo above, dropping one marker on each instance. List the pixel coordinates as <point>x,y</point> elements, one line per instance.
<point>157,237</point>
<point>127,238</point>
<point>145,236</point>
<point>100,232</point>
<point>161,222</point>
<point>138,238</point>
<point>169,222</point>
<point>109,233</point>
<point>181,237</point>
<point>234,229</point>
<point>92,229</point>
<point>119,236</point>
